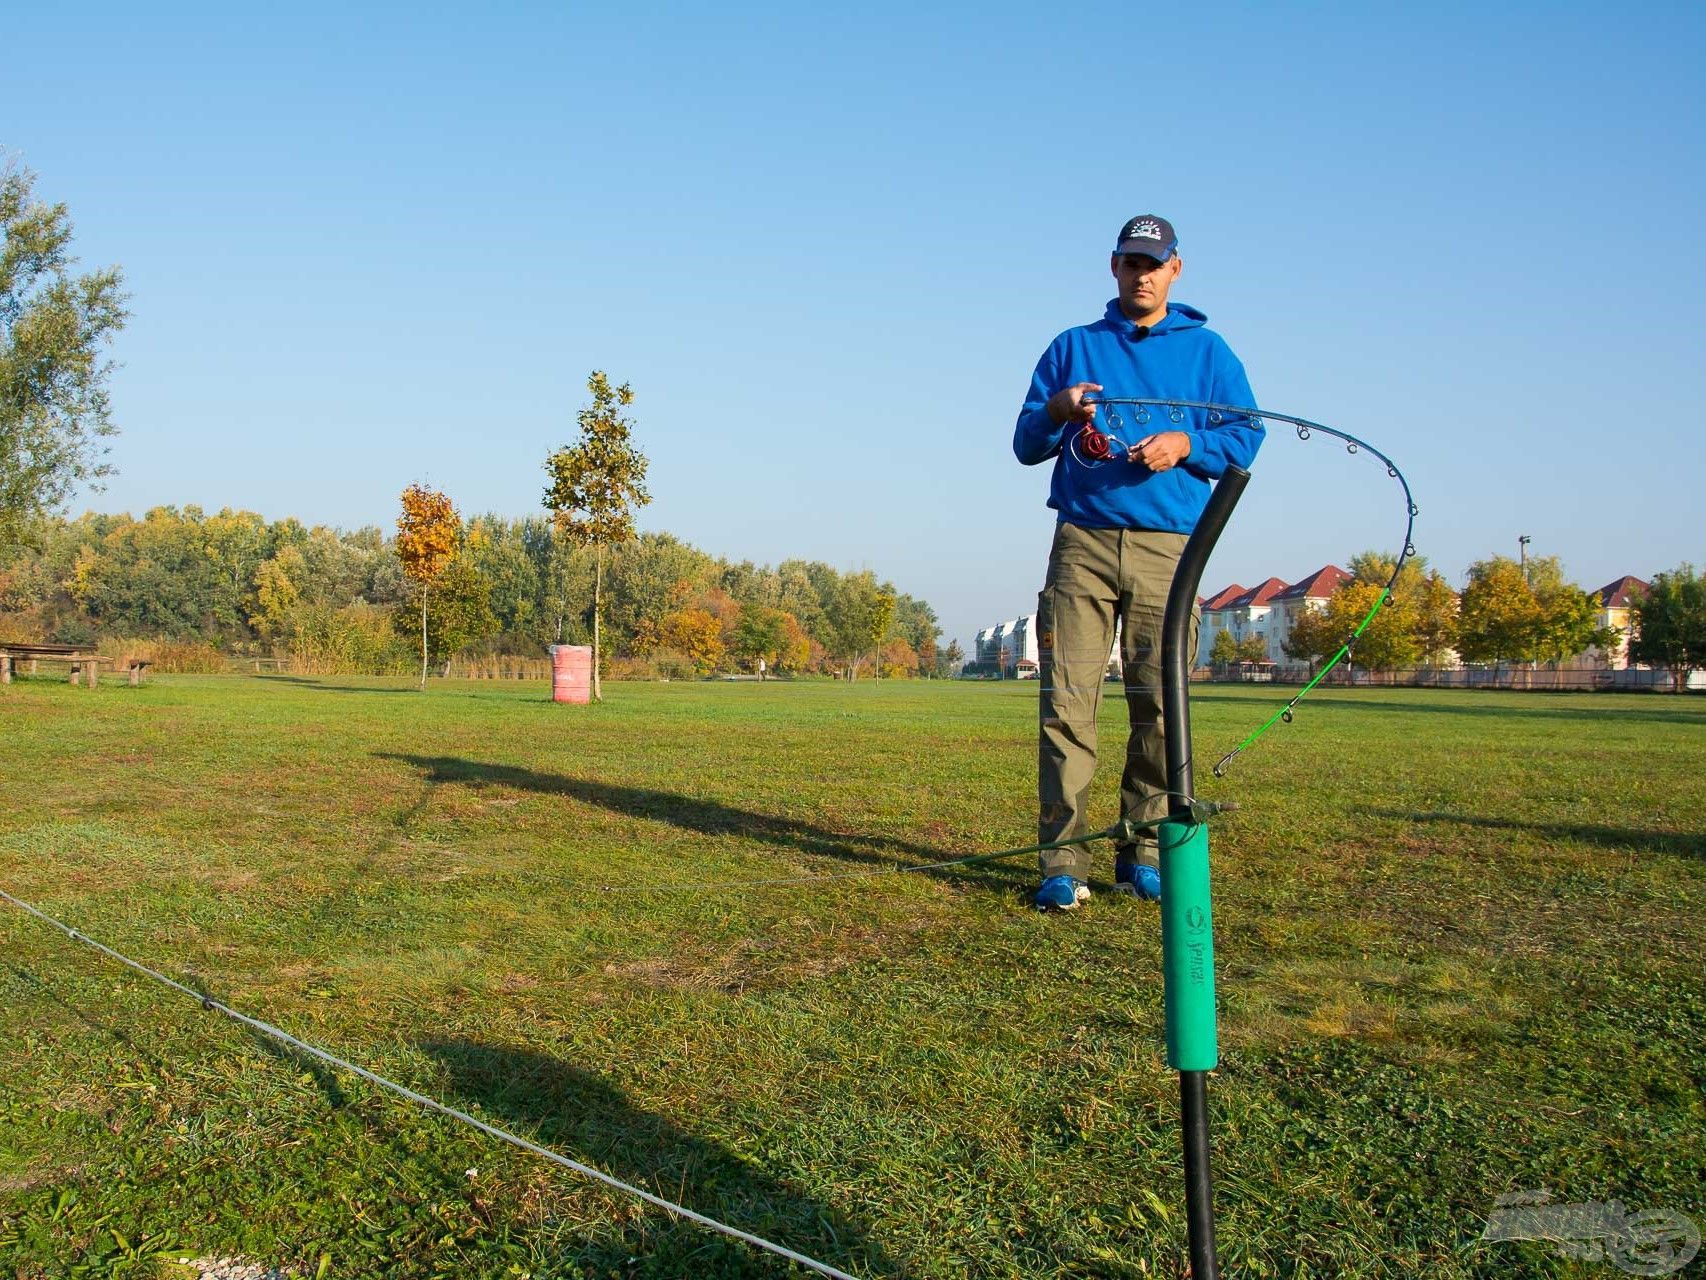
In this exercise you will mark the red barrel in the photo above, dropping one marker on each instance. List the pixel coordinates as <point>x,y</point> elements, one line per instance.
<point>571,673</point>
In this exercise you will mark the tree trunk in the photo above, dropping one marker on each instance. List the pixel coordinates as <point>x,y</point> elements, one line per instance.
<point>597,591</point>
<point>562,582</point>
<point>423,636</point>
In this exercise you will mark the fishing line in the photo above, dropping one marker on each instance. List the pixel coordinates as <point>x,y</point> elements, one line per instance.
<point>431,1104</point>
<point>1178,413</point>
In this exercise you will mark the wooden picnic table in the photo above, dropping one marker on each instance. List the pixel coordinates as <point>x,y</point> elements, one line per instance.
<point>80,657</point>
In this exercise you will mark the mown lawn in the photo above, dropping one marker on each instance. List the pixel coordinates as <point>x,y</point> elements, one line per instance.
<point>1460,941</point>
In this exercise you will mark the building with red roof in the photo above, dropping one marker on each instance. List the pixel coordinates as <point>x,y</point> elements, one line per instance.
<point>1616,610</point>
<point>1266,611</point>
<point>1620,594</point>
<point>1219,599</point>
<point>1243,611</point>
<point>1312,594</point>
<point>1319,585</point>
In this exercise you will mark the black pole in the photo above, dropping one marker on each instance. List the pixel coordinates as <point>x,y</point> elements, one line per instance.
<point>1176,715</point>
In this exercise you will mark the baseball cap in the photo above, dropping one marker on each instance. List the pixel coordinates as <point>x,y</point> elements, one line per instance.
<point>1148,234</point>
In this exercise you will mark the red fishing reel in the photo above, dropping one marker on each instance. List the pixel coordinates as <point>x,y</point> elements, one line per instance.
<point>1097,446</point>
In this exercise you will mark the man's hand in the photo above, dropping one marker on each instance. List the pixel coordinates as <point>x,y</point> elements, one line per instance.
<point>1068,406</point>
<point>1162,451</point>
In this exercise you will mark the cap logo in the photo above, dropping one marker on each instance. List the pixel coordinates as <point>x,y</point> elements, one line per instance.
<point>1143,231</point>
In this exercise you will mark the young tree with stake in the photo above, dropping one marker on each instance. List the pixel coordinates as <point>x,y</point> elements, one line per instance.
<point>596,485</point>
<point>427,533</point>
<point>882,617</point>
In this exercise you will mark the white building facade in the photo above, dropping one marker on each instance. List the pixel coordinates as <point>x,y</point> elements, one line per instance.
<point>1267,611</point>
<point>1012,649</point>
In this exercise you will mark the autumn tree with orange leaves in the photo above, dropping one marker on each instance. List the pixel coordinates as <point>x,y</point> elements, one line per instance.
<point>427,534</point>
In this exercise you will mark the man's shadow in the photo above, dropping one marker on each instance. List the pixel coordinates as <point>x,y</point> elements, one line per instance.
<point>578,1115</point>
<point>689,813</point>
<point>323,687</point>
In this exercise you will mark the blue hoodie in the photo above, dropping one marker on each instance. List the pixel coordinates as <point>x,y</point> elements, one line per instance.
<point>1178,359</point>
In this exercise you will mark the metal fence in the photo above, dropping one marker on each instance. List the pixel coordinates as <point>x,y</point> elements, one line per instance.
<point>1543,678</point>
<point>507,667</point>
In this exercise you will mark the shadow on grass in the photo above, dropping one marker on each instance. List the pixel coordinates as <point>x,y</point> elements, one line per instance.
<point>1676,844</point>
<point>581,1116</point>
<point>324,1076</point>
<point>338,688</point>
<point>328,915</point>
<point>504,694</point>
<point>101,1026</point>
<point>704,817</point>
<point>1611,712</point>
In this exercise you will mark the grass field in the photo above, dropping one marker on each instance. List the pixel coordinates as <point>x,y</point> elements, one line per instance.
<point>1459,945</point>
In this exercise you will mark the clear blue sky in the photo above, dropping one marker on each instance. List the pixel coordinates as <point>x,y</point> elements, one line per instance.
<point>827,246</point>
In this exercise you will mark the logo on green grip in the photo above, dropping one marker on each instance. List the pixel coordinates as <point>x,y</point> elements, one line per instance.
<point>1196,924</point>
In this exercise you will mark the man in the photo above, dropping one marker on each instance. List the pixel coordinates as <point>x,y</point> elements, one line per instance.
<point>1128,499</point>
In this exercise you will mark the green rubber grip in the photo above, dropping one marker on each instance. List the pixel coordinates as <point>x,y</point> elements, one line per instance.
<point>1187,946</point>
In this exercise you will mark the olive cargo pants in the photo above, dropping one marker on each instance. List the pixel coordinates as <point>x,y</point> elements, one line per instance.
<point>1094,577</point>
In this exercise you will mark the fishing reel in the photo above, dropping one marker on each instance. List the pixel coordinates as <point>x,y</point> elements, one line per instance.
<point>1092,447</point>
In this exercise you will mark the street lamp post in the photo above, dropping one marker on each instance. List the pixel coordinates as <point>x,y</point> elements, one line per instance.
<point>1522,541</point>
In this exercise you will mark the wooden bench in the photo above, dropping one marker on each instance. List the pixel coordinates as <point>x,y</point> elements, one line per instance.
<point>80,658</point>
<point>82,661</point>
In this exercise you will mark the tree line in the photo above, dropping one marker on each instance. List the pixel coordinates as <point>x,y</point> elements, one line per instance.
<point>330,600</point>
<point>335,600</point>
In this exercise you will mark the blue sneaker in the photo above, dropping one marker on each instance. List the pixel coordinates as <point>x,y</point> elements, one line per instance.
<point>1061,893</point>
<point>1134,877</point>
